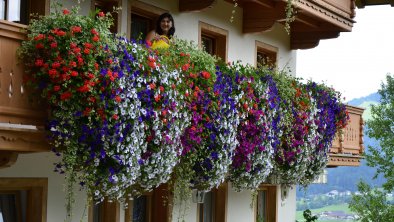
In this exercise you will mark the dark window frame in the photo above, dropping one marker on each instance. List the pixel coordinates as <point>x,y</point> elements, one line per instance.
<point>220,37</point>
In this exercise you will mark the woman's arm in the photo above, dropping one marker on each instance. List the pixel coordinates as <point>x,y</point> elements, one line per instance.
<point>150,36</point>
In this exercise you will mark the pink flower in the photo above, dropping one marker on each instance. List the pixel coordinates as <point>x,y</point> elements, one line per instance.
<point>95,38</point>
<point>66,95</point>
<point>39,46</point>
<point>66,12</point>
<point>76,29</point>
<point>60,33</point>
<point>56,88</point>
<point>39,37</point>
<point>74,73</point>
<point>39,62</point>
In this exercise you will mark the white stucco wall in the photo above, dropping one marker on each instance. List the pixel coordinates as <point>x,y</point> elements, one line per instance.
<point>186,213</point>
<point>238,206</point>
<point>41,165</point>
<point>240,47</point>
<point>287,207</point>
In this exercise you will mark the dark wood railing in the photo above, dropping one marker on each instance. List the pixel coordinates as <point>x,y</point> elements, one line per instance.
<point>22,116</point>
<point>348,146</point>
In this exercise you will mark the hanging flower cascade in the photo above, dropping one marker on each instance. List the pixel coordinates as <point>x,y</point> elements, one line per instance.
<point>257,108</point>
<point>150,110</point>
<point>125,118</point>
<point>69,53</point>
<point>298,135</point>
<point>332,117</point>
<point>208,143</point>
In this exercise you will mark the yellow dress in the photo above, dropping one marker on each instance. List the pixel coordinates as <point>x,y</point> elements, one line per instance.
<point>162,42</point>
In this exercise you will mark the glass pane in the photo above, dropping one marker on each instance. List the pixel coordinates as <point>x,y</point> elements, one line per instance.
<point>261,206</point>
<point>262,59</point>
<point>206,211</point>
<point>139,209</point>
<point>8,207</point>
<point>14,11</point>
<point>97,208</point>
<point>139,26</point>
<point>2,16</point>
<point>208,44</point>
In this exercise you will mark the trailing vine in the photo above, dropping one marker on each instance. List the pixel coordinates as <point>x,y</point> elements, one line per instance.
<point>290,15</point>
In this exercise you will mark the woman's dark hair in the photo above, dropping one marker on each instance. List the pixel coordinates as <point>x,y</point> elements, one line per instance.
<point>159,31</point>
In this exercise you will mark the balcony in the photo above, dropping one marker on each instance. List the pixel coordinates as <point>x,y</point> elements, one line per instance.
<point>347,148</point>
<point>315,20</point>
<point>22,116</point>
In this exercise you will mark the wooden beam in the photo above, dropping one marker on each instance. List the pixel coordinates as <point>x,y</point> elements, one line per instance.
<point>22,140</point>
<point>306,40</point>
<point>7,158</point>
<point>336,160</point>
<point>312,23</point>
<point>257,18</point>
<point>220,193</point>
<point>264,3</point>
<point>194,5</point>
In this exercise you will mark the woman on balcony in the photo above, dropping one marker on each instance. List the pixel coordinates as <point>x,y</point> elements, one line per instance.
<point>165,29</point>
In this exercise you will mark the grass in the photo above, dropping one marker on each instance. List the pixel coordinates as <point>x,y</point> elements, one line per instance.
<point>340,207</point>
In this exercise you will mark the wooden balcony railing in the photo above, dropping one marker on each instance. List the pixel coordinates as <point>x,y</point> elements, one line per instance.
<point>348,147</point>
<point>22,116</point>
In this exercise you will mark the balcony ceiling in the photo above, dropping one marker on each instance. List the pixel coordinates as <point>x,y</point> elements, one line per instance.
<point>315,20</point>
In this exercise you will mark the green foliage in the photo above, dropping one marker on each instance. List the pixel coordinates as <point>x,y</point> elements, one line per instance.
<point>372,204</point>
<point>381,128</point>
<point>308,216</point>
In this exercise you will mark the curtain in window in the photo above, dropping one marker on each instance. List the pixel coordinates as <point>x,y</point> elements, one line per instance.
<point>8,207</point>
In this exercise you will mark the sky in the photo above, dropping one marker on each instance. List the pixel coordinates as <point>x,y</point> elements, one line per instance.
<point>357,62</point>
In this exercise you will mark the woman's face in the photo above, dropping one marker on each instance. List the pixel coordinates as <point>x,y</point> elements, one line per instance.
<point>165,25</point>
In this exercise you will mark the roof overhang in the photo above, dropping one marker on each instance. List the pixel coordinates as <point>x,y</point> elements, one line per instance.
<point>314,20</point>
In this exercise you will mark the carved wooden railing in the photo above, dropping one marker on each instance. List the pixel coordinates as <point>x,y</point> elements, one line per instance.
<point>348,146</point>
<point>22,116</point>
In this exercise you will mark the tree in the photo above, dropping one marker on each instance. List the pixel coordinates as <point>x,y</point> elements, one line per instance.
<point>372,204</point>
<point>381,127</point>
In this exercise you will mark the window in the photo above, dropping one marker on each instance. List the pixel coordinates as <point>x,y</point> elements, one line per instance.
<point>19,10</point>
<point>142,19</point>
<point>106,211</point>
<point>151,207</point>
<point>23,199</point>
<point>138,209</point>
<point>206,210</point>
<point>265,54</point>
<point>109,6</point>
<point>214,207</point>
<point>213,40</point>
<point>265,209</point>
<point>140,26</point>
